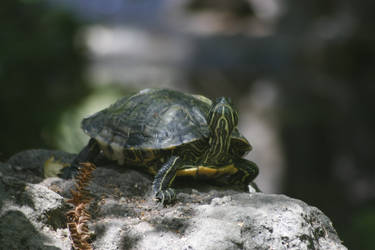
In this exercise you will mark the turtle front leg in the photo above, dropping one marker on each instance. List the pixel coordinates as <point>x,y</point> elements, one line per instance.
<point>163,180</point>
<point>87,154</point>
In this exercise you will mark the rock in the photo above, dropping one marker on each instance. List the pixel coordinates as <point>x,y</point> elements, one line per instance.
<point>124,215</point>
<point>31,215</point>
<point>31,163</point>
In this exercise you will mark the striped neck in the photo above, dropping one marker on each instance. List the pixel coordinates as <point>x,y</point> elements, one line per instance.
<point>222,119</point>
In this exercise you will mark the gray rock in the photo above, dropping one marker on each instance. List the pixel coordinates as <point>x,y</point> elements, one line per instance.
<point>30,164</point>
<point>124,215</point>
<point>31,215</point>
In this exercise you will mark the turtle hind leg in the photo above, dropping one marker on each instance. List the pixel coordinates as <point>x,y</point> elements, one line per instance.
<point>247,172</point>
<point>164,179</point>
<point>87,154</point>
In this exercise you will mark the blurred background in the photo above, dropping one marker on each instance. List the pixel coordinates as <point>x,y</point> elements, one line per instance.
<point>301,74</point>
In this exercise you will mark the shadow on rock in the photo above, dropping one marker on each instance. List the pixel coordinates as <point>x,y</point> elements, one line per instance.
<point>173,224</point>
<point>17,232</point>
<point>12,188</point>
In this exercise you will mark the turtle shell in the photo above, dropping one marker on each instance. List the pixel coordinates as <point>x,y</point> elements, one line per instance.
<point>154,119</point>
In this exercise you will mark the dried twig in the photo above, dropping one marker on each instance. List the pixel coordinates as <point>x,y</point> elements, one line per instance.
<point>78,216</point>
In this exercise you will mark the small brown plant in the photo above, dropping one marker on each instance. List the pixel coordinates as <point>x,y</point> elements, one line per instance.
<point>78,216</point>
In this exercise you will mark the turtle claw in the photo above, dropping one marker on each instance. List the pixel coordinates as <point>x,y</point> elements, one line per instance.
<point>166,196</point>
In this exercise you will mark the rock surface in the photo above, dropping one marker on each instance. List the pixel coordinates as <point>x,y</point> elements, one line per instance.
<point>124,215</point>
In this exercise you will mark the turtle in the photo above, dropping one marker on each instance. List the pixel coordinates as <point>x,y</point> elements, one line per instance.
<point>170,134</point>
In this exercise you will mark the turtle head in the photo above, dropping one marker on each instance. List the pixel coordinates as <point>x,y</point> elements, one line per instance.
<point>222,117</point>
<point>222,120</point>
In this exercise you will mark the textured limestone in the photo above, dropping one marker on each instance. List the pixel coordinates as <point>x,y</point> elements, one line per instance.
<point>124,215</point>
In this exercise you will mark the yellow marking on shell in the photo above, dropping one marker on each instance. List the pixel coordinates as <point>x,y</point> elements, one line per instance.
<point>134,152</point>
<point>207,171</point>
<point>150,156</point>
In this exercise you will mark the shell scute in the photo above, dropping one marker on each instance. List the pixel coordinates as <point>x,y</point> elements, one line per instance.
<point>152,119</point>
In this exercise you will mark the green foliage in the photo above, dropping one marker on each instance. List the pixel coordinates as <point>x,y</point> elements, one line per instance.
<point>68,135</point>
<point>41,66</point>
<point>364,226</point>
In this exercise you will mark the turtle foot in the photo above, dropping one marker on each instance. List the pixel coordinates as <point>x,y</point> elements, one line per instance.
<point>166,196</point>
